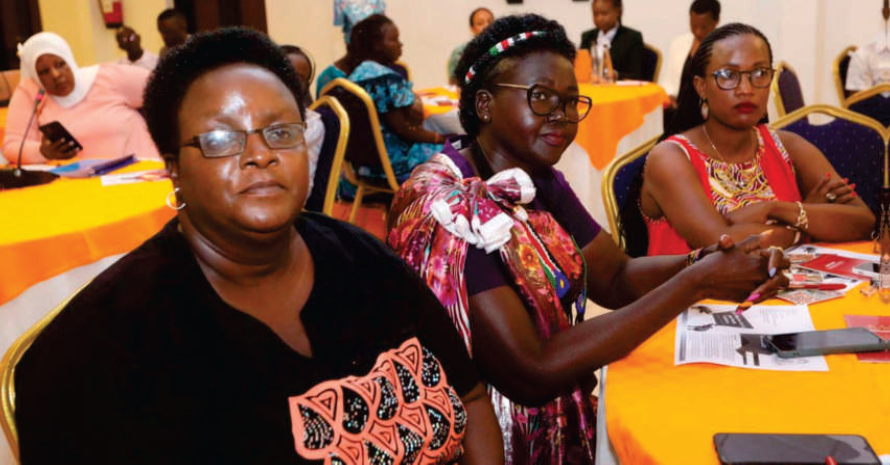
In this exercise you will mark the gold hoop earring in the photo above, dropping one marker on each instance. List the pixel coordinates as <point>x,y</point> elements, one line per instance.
<point>174,194</point>
<point>705,110</point>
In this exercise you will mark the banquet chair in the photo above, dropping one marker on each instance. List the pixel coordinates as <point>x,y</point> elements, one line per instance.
<point>874,103</point>
<point>7,373</point>
<point>365,147</point>
<point>854,144</point>
<point>619,177</point>
<point>9,80</point>
<point>651,64</point>
<point>841,65</point>
<point>786,90</point>
<point>330,159</point>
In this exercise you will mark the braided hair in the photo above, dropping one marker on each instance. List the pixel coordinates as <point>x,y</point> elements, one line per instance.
<point>688,105</point>
<point>485,64</point>
<point>365,36</point>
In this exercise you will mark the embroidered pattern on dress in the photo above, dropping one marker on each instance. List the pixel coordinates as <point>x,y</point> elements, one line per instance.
<point>403,411</point>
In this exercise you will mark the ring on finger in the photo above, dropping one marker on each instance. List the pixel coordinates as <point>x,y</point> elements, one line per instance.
<point>830,197</point>
<point>775,247</point>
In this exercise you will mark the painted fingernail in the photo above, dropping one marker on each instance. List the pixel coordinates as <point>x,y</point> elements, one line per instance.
<point>827,175</point>
<point>853,194</point>
<point>853,185</point>
<point>753,297</point>
<point>772,271</point>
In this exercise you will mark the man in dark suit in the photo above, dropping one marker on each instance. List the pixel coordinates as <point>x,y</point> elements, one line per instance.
<point>625,44</point>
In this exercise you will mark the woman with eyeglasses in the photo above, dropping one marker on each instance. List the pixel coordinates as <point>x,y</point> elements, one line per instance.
<point>504,243</point>
<point>720,172</point>
<point>246,331</point>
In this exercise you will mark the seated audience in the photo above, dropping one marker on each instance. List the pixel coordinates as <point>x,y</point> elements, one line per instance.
<point>348,13</point>
<point>870,64</point>
<point>129,41</point>
<point>374,47</point>
<point>704,16</point>
<point>97,104</point>
<point>246,331</point>
<point>305,67</point>
<point>625,45</point>
<point>723,173</point>
<point>480,18</point>
<point>510,256</point>
<point>173,27</point>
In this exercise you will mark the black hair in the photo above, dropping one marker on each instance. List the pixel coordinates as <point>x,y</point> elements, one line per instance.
<point>486,66</point>
<point>170,13</point>
<point>205,52</point>
<point>294,50</point>
<point>688,104</point>
<point>701,7</point>
<point>365,36</point>
<point>477,10</point>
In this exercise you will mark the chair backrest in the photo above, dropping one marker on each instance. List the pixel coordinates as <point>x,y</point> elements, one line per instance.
<point>9,80</point>
<point>618,178</point>
<point>652,63</point>
<point>855,145</point>
<point>839,71</point>
<point>874,103</point>
<point>365,147</point>
<point>330,159</point>
<point>401,68</point>
<point>7,373</point>
<point>787,93</point>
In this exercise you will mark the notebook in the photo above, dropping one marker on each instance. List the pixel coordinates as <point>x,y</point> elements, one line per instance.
<point>93,166</point>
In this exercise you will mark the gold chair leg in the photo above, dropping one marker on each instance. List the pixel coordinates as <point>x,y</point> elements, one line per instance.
<point>356,203</point>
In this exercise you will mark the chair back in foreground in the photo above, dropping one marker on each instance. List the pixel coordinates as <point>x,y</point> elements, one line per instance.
<point>651,63</point>
<point>7,373</point>
<point>839,71</point>
<point>786,90</point>
<point>9,80</point>
<point>874,103</point>
<point>365,147</point>
<point>618,178</point>
<point>855,145</point>
<point>330,159</point>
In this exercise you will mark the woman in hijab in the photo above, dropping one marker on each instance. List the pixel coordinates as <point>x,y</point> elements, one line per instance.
<point>97,104</point>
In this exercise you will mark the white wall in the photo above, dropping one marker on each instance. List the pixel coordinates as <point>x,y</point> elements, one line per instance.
<point>808,34</point>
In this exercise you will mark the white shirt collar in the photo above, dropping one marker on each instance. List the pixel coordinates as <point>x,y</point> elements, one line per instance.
<point>881,42</point>
<point>608,36</point>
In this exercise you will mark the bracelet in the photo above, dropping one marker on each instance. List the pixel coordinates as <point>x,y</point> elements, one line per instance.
<point>693,257</point>
<point>802,221</point>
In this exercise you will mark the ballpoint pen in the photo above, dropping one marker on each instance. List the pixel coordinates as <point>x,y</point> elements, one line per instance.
<point>747,303</point>
<point>818,286</point>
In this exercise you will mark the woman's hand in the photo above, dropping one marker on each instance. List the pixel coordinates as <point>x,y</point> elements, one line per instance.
<point>755,213</point>
<point>737,271</point>
<point>59,150</point>
<point>831,190</point>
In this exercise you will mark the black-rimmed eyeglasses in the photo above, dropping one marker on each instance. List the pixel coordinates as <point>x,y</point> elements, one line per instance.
<point>227,142</point>
<point>543,101</point>
<point>729,79</point>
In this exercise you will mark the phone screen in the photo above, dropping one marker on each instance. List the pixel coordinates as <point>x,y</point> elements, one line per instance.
<point>744,448</point>
<point>824,342</point>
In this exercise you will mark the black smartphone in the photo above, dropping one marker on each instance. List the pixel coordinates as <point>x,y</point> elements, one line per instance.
<point>54,131</point>
<point>803,449</point>
<point>834,341</point>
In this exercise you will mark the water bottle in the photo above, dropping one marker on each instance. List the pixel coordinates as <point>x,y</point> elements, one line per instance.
<point>596,63</point>
<point>884,244</point>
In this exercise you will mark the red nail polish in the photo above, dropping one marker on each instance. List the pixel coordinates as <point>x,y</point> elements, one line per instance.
<point>852,185</point>
<point>827,175</point>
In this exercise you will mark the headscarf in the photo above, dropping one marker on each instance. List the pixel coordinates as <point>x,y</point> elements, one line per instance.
<point>47,42</point>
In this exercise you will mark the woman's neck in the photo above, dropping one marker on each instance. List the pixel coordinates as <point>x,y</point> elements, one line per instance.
<point>497,157</point>
<point>732,145</point>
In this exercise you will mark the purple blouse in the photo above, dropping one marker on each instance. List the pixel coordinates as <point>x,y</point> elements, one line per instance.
<point>554,195</point>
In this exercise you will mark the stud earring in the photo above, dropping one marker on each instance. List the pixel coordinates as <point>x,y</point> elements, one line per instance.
<point>705,110</point>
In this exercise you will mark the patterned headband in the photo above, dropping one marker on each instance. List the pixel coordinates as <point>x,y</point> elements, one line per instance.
<point>502,47</point>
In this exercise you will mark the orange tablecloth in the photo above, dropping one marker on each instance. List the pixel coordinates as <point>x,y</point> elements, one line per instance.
<point>3,111</point>
<point>438,100</point>
<point>50,229</point>
<point>616,112</point>
<point>660,413</point>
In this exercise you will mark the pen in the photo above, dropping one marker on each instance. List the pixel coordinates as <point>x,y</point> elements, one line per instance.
<point>829,460</point>
<point>818,286</point>
<point>747,303</point>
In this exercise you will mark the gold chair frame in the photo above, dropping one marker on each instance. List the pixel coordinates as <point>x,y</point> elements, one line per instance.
<point>339,153</point>
<point>836,74</point>
<point>774,87</point>
<point>865,94</point>
<point>7,373</point>
<point>348,170</point>
<point>407,69</point>
<point>658,62</point>
<point>609,174</point>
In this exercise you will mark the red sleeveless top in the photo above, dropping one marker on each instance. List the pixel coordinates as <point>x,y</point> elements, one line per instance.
<point>777,171</point>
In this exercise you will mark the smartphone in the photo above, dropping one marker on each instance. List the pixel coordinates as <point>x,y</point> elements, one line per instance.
<point>834,341</point>
<point>803,449</point>
<point>54,131</point>
<point>868,269</point>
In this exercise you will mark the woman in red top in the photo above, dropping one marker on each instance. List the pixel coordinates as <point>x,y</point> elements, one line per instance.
<point>722,173</point>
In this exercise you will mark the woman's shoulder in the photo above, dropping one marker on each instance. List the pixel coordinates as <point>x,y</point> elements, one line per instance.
<point>370,69</point>
<point>116,72</point>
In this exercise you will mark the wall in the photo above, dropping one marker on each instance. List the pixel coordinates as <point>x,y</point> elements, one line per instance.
<point>806,33</point>
<point>80,23</point>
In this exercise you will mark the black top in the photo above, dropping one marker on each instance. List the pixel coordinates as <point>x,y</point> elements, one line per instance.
<point>149,365</point>
<point>627,51</point>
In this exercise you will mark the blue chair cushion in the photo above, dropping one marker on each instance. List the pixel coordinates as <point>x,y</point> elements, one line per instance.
<point>315,202</point>
<point>876,107</point>
<point>627,187</point>
<point>790,91</point>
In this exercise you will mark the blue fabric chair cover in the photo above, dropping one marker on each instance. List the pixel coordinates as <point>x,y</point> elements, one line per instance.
<point>315,202</point>
<point>627,185</point>
<point>842,66</point>
<point>876,107</point>
<point>790,91</point>
<point>855,151</point>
